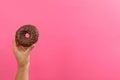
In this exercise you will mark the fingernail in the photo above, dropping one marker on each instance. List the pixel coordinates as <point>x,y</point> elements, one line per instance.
<point>33,44</point>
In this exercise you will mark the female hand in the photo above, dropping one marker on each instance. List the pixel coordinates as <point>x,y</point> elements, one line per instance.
<point>22,54</point>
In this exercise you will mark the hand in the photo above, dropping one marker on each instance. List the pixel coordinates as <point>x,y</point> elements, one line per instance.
<point>22,54</point>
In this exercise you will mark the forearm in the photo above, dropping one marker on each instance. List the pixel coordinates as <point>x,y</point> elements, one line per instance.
<point>22,73</point>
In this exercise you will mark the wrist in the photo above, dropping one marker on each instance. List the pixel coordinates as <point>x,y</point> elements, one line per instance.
<point>23,67</point>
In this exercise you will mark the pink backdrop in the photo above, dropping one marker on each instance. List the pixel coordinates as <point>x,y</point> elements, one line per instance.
<point>79,39</point>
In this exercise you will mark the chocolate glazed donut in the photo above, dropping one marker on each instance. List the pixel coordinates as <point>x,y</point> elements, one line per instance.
<point>21,38</point>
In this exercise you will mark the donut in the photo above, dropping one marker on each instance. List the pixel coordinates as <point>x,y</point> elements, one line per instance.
<point>21,38</point>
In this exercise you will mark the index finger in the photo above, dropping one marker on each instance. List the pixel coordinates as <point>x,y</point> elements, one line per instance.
<point>14,43</point>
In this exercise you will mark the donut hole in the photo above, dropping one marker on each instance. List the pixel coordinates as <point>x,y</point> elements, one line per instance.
<point>27,35</point>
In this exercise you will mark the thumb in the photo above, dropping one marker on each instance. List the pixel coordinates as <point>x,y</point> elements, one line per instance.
<point>29,49</point>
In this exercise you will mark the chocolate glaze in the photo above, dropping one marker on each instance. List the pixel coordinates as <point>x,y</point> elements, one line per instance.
<point>22,31</point>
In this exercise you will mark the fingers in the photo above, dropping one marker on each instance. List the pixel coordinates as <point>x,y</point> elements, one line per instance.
<point>27,52</point>
<point>14,44</point>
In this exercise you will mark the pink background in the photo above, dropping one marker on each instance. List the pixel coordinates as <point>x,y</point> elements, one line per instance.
<point>79,39</point>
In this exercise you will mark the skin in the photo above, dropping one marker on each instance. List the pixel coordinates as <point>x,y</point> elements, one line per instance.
<point>22,55</point>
